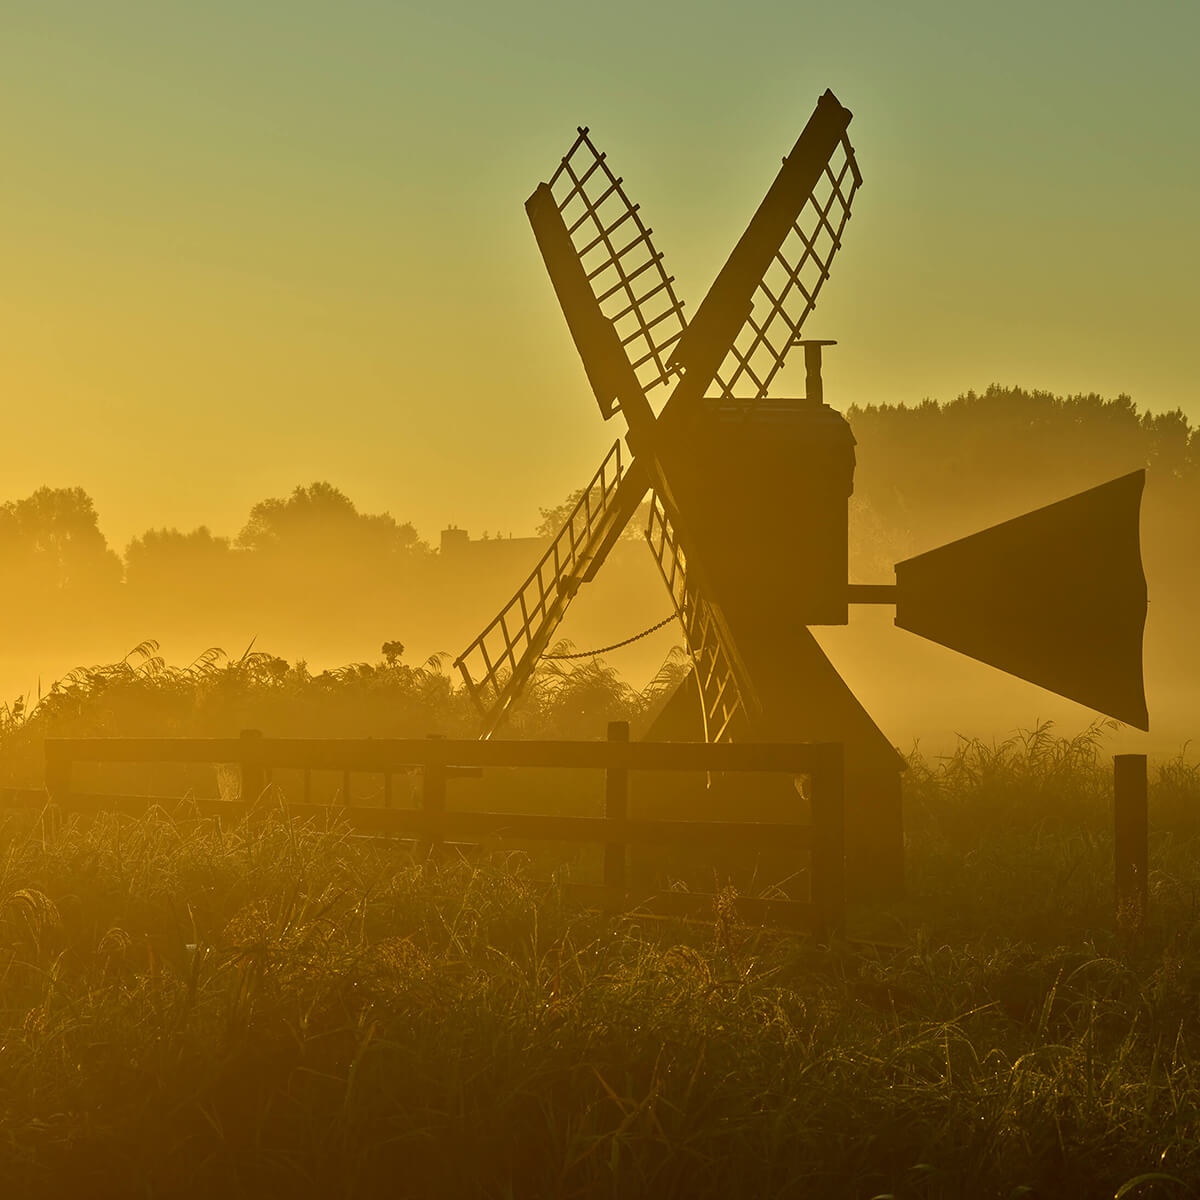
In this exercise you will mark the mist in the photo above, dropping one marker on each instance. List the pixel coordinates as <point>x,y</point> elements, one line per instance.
<point>310,578</point>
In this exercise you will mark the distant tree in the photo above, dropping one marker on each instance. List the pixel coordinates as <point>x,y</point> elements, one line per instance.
<point>320,519</point>
<point>984,456</point>
<point>167,556</point>
<point>52,540</point>
<point>553,519</point>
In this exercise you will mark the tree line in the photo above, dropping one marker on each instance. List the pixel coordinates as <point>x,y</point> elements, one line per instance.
<point>976,459</point>
<point>935,471</point>
<point>52,541</point>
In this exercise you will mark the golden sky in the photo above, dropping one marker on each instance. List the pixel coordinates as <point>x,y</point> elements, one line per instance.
<point>247,245</point>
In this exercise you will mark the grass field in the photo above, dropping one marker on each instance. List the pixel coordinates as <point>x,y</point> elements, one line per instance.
<point>282,1011</point>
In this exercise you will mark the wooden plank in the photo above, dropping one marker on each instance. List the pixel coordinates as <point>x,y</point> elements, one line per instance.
<point>616,809</point>
<point>377,754</point>
<point>433,801</point>
<point>529,827</point>
<point>829,845</point>
<point>57,773</point>
<point>794,758</point>
<point>253,769</point>
<point>177,750</point>
<point>1131,839</point>
<point>414,824</point>
<point>469,826</point>
<point>871,593</point>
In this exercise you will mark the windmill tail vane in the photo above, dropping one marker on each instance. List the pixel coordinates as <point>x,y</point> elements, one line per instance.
<point>748,520</point>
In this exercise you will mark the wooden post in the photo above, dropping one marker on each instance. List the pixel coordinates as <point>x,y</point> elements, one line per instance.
<point>616,808</point>
<point>433,795</point>
<point>828,866</point>
<point>1130,839</point>
<point>254,775</point>
<point>57,774</point>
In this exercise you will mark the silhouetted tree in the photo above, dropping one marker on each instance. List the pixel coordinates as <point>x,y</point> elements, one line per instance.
<point>320,519</point>
<point>1000,445</point>
<point>51,540</point>
<point>166,557</point>
<point>553,519</point>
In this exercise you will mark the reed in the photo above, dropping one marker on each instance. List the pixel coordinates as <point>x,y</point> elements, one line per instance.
<point>187,1010</point>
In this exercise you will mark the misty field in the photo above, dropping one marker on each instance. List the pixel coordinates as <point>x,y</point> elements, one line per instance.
<point>280,1010</point>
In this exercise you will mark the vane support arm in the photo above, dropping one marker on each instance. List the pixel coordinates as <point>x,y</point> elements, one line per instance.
<point>871,593</point>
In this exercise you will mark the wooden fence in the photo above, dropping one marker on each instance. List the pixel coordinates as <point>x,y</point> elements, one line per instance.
<point>431,822</point>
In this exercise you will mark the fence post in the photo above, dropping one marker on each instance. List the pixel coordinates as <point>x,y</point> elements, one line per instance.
<point>57,773</point>
<point>254,775</point>
<point>1130,839</point>
<point>828,863</point>
<point>616,808</point>
<point>433,795</point>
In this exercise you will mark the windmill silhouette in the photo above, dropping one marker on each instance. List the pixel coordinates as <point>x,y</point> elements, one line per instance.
<point>749,497</point>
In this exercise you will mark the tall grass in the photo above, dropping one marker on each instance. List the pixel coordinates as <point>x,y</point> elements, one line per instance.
<point>280,1010</point>
<point>218,696</point>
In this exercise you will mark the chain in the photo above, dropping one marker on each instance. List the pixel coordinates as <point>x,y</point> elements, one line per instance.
<point>616,645</point>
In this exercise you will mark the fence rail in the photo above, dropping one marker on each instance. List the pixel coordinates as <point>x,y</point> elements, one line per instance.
<point>441,759</point>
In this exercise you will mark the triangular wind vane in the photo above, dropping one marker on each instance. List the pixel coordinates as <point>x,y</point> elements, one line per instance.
<point>1056,596</point>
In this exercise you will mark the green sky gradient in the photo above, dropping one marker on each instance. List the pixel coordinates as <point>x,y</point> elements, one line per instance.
<point>249,245</point>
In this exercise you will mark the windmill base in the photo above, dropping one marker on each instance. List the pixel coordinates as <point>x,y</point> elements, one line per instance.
<point>874,825</point>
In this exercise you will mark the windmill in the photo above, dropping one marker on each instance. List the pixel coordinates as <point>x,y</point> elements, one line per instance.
<point>749,497</point>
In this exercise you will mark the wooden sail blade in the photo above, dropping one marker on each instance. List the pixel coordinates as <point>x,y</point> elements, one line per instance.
<point>740,334</point>
<point>498,663</point>
<point>723,695</point>
<point>788,292</point>
<point>620,304</point>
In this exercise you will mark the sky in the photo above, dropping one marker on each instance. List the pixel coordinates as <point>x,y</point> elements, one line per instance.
<point>248,245</point>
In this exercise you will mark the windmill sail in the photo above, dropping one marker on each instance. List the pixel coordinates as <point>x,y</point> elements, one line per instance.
<point>618,299</point>
<point>753,313</point>
<point>498,663</point>
<point>722,698</point>
<point>788,291</point>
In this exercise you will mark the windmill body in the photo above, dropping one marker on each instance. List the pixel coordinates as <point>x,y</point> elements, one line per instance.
<point>768,492</point>
<point>750,491</point>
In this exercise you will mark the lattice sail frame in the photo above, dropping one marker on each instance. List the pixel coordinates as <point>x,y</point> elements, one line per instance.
<point>496,665</point>
<point>636,295</point>
<point>623,268</point>
<point>722,707</point>
<point>788,292</point>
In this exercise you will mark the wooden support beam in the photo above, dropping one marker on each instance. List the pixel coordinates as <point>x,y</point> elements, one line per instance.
<point>616,808</point>
<point>828,861</point>
<point>253,769</point>
<point>871,593</point>
<point>1131,826</point>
